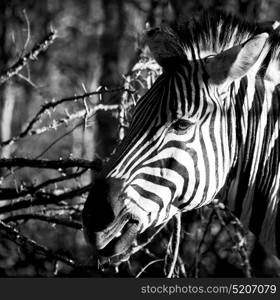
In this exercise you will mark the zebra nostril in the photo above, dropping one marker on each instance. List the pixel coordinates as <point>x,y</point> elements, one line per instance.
<point>96,215</point>
<point>101,206</point>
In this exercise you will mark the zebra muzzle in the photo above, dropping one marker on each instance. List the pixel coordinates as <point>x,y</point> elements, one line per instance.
<point>118,237</point>
<point>120,249</point>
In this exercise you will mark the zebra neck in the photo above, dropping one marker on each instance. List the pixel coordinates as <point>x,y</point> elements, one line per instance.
<point>257,169</point>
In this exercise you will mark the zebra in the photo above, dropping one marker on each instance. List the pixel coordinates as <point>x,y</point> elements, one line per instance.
<point>208,126</point>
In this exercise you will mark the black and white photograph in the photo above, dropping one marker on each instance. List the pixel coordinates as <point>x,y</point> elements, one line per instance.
<point>140,139</point>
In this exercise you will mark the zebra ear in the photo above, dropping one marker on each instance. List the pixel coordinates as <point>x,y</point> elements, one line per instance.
<point>235,62</point>
<point>164,45</point>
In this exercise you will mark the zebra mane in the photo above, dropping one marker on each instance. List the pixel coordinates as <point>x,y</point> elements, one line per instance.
<point>274,40</point>
<point>208,34</point>
<point>213,32</point>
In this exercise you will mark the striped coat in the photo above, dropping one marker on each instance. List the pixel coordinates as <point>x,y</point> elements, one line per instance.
<point>209,126</point>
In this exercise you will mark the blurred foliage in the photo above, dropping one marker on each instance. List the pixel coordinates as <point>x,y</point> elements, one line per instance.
<point>98,46</point>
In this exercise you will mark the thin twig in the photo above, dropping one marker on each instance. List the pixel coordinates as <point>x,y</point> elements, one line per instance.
<point>182,266</point>
<point>57,140</point>
<point>149,240</point>
<point>47,149</point>
<point>178,226</point>
<point>27,80</point>
<point>27,29</point>
<point>149,264</point>
<point>168,252</point>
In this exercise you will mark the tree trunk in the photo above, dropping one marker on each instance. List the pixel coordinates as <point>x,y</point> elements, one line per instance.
<point>114,26</point>
<point>8,97</point>
<point>4,105</point>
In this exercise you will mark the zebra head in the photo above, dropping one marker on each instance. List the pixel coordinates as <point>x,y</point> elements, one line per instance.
<point>181,144</point>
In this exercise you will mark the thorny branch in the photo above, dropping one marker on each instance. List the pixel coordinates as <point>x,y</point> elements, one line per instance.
<point>32,55</point>
<point>43,217</point>
<point>14,235</point>
<point>44,198</point>
<point>12,193</point>
<point>51,164</point>
<point>55,124</point>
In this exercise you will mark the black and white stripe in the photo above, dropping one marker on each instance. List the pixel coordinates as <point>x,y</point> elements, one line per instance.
<point>232,137</point>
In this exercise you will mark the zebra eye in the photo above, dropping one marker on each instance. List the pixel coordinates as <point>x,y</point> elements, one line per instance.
<point>181,125</point>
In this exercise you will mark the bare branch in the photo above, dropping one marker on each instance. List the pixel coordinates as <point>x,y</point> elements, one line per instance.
<point>14,235</point>
<point>43,198</point>
<point>182,266</point>
<point>55,124</point>
<point>27,29</point>
<point>51,164</point>
<point>42,217</point>
<point>11,193</point>
<point>32,55</point>
<point>178,225</point>
<point>149,264</point>
<point>57,140</point>
<point>64,121</point>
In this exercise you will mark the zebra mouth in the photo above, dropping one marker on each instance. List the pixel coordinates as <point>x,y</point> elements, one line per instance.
<point>121,241</point>
<point>114,246</point>
<point>120,247</point>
